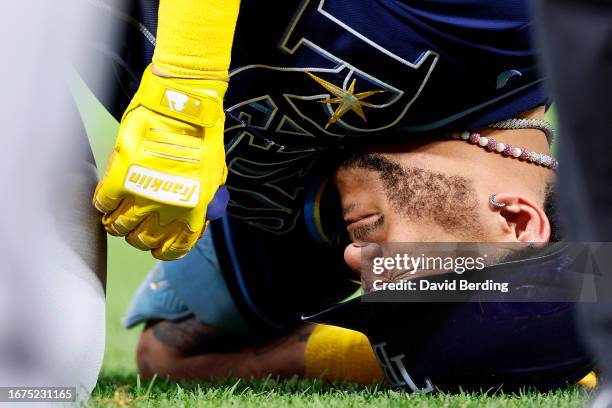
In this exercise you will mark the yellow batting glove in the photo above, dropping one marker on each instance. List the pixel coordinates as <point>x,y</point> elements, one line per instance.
<point>167,166</point>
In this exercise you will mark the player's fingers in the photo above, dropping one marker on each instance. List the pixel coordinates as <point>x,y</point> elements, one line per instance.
<point>149,234</point>
<point>123,220</point>
<point>178,247</point>
<point>102,201</point>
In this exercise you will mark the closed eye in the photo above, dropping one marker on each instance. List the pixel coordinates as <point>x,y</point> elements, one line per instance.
<point>361,232</point>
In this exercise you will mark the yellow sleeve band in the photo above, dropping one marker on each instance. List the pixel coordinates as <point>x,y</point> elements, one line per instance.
<point>334,353</point>
<point>194,38</point>
<point>589,381</point>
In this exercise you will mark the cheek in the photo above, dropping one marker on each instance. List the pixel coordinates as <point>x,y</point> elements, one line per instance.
<point>400,230</point>
<point>489,225</point>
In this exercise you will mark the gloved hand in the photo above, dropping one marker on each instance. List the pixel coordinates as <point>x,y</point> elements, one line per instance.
<point>168,164</point>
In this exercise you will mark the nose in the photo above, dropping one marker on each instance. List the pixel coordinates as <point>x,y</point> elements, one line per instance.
<point>357,254</point>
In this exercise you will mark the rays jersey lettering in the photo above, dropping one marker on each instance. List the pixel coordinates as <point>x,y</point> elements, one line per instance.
<point>310,75</point>
<point>395,370</point>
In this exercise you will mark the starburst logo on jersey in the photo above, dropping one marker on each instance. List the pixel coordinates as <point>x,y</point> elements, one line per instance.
<point>346,99</point>
<point>163,187</point>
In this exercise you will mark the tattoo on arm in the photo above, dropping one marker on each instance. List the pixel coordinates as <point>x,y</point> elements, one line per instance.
<point>299,336</point>
<point>190,336</point>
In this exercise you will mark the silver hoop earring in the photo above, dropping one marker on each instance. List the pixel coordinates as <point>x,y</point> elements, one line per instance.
<point>494,203</point>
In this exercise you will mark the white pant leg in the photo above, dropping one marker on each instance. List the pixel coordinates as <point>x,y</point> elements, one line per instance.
<point>52,248</point>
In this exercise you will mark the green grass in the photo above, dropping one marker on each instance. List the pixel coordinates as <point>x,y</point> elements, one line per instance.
<point>119,384</point>
<point>127,390</point>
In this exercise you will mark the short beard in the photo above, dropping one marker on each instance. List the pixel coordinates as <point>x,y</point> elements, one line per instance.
<point>419,194</point>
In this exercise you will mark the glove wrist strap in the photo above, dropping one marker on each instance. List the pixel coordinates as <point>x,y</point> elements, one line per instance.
<point>182,99</point>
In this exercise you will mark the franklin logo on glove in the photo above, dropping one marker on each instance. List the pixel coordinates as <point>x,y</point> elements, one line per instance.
<point>163,187</point>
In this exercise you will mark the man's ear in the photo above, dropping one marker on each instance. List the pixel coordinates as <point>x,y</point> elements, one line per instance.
<point>522,219</point>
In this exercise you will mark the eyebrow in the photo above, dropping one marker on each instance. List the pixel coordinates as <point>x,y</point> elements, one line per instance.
<point>359,233</point>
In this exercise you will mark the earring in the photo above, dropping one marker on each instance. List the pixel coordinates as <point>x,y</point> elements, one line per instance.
<point>494,203</point>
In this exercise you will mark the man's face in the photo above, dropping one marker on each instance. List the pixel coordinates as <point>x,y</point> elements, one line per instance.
<point>439,192</point>
<point>388,197</point>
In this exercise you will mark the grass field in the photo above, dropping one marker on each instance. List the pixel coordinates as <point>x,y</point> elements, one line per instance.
<point>119,384</point>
